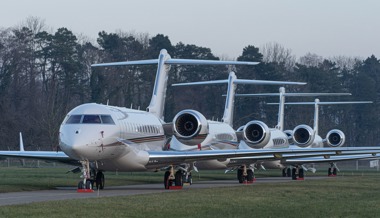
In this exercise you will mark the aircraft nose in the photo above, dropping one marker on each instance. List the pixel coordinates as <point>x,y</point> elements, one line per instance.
<point>73,143</point>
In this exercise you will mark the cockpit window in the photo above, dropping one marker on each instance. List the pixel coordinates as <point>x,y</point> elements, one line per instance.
<point>107,119</point>
<point>90,119</point>
<point>74,119</point>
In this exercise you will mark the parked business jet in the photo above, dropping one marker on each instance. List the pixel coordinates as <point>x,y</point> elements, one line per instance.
<point>107,138</point>
<point>255,134</point>
<point>307,137</point>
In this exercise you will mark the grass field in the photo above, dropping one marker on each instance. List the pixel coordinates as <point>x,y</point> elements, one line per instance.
<point>356,194</point>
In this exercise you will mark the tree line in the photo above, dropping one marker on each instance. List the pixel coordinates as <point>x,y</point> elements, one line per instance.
<point>45,73</point>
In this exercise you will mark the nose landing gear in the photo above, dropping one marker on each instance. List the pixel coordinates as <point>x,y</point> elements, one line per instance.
<point>90,177</point>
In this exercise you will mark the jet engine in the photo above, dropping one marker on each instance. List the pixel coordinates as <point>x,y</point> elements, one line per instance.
<point>303,135</point>
<point>190,127</point>
<point>335,138</point>
<point>256,134</point>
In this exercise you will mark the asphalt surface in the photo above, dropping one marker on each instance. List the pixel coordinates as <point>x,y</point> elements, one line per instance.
<point>66,193</point>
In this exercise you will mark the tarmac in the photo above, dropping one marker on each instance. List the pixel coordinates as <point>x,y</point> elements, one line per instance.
<point>67,193</point>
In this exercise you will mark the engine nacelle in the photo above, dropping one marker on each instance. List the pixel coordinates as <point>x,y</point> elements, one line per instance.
<point>256,134</point>
<point>190,127</point>
<point>335,138</point>
<point>303,135</point>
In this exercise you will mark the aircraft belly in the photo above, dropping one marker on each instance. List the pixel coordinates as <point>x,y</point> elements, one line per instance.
<point>212,164</point>
<point>130,162</point>
<point>275,164</point>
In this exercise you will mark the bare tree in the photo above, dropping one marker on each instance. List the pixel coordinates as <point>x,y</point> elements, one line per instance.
<point>345,62</point>
<point>311,60</point>
<point>274,52</point>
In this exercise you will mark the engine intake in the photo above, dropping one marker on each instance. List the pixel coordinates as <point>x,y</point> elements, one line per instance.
<point>190,127</point>
<point>335,138</point>
<point>256,134</point>
<point>303,136</point>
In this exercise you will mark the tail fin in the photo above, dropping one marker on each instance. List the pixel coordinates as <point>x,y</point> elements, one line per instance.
<point>164,61</point>
<point>21,143</point>
<point>230,97</point>
<point>282,94</point>
<point>316,104</point>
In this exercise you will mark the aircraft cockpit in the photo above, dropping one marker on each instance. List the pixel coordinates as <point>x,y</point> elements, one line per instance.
<point>90,119</point>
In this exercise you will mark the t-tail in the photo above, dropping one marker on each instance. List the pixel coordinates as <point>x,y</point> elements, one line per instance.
<point>282,94</point>
<point>303,135</point>
<point>164,61</point>
<point>232,82</point>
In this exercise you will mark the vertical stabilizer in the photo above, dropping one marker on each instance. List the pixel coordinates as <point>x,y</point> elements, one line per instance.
<point>21,143</point>
<point>230,100</point>
<point>280,122</point>
<point>157,102</point>
<point>316,116</point>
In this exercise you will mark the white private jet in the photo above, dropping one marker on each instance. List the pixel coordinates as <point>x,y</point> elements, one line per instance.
<point>307,137</point>
<point>107,138</point>
<point>255,134</point>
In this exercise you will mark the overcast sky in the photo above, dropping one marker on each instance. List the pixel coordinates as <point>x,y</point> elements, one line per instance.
<point>324,27</point>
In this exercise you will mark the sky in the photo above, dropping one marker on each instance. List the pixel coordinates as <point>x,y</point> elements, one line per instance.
<point>325,27</point>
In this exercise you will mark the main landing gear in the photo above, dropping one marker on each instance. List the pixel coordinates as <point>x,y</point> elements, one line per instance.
<point>333,170</point>
<point>298,173</point>
<point>287,172</point>
<point>245,175</point>
<point>90,177</point>
<point>175,180</point>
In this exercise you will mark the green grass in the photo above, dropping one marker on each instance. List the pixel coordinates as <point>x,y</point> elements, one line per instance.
<point>356,194</point>
<point>348,196</point>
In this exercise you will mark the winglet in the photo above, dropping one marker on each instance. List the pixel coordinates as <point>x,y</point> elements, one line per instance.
<point>21,143</point>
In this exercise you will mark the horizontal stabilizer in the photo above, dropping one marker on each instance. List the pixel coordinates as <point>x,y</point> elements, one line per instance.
<point>292,94</point>
<point>175,61</point>
<point>324,103</point>
<point>241,81</point>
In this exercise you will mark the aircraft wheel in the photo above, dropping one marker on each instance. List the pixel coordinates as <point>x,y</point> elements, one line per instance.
<point>250,176</point>
<point>294,175</point>
<point>81,185</point>
<point>301,173</point>
<point>284,172</point>
<point>240,175</point>
<point>88,184</point>
<point>329,172</point>
<point>188,178</point>
<point>167,182</point>
<point>100,180</point>
<point>288,172</point>
<point>178,178</point>
<point>334,171</point>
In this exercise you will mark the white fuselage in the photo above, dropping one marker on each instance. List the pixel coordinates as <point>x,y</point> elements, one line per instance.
<point>111,135</point>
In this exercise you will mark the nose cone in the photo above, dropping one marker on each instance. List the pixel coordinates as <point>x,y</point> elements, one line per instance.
<point>71,142</point>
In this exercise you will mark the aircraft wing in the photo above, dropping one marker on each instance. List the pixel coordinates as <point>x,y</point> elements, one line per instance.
<point>320,159</point>
<point>40,155</point>
<point>178,157</point>
<point>174,157</point>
